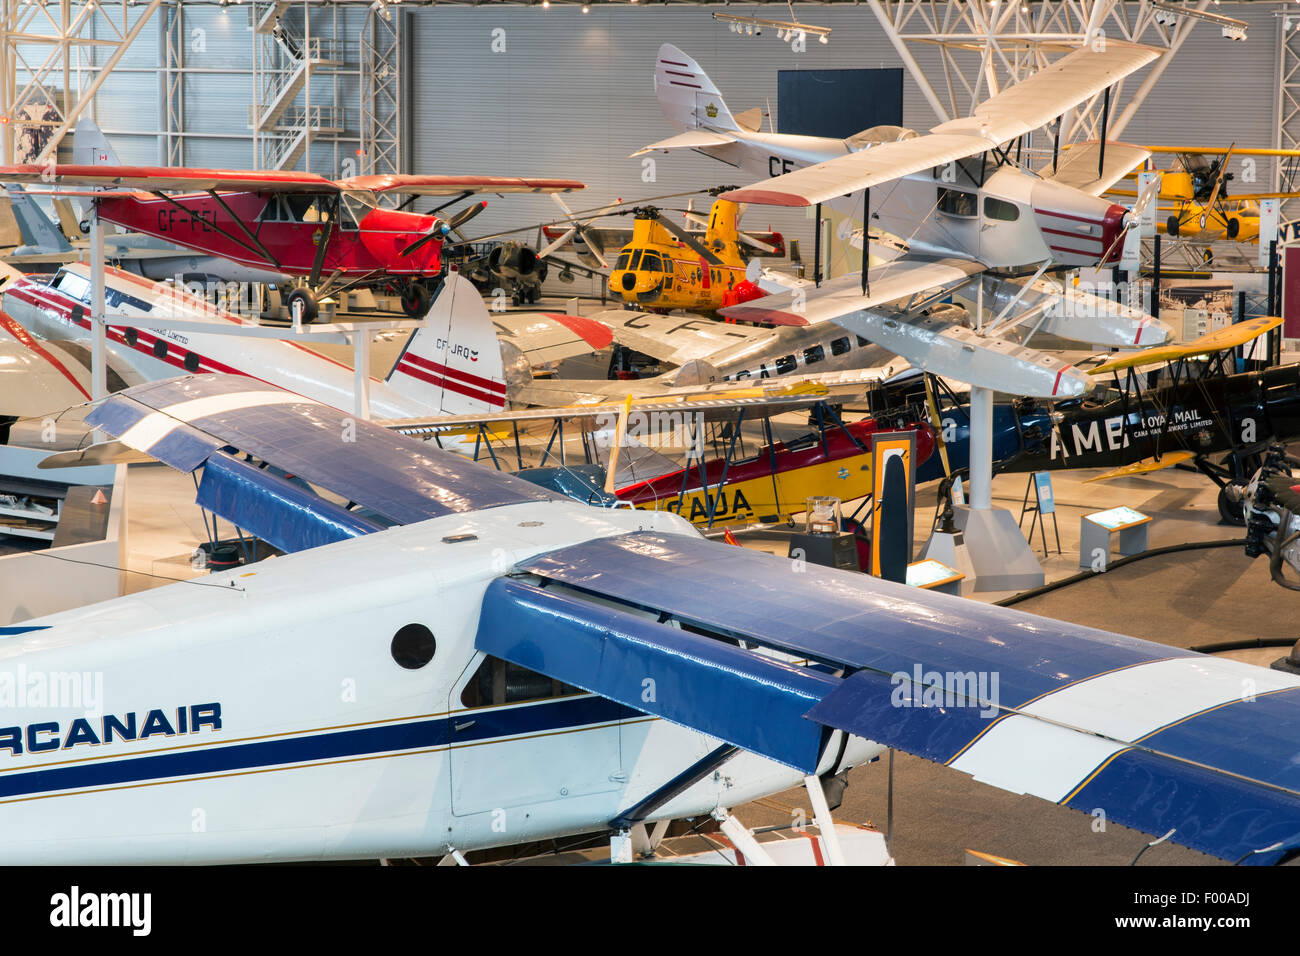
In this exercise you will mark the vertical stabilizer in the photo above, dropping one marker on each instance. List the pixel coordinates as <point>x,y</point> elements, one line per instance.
<point>453,363</point>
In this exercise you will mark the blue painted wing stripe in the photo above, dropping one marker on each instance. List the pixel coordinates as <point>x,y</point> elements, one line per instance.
<point>895,714</point>
<point>751,701</point>
<point>1210,812</point>
<point>1229,738</point>
<point>285,515</point>
<point>840,617</point>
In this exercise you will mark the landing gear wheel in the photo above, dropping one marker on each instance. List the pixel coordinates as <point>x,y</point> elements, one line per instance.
<point>1231,509</point>
<point>310,309</point>
<point>1172,225</point>
<point>415,300</point>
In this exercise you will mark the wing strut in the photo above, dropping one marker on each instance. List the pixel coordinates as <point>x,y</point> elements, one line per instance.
<point>243,227</point>
<point>678,785</point>
<point>866,232</point>
<point>1105,121</point>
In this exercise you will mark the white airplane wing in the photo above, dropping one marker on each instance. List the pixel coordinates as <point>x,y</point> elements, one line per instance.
<point>1034,102</point>
<point>678,339</point>
<point>905,276</point>
<point>552,336</point>
<point>1085,168</point>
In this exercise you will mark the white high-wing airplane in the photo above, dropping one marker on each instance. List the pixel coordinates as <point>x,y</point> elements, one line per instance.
<point>454,365</point>
<point>471,661</point>
<point>967,212</point>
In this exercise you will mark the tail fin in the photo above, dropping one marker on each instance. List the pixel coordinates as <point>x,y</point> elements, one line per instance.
<point>39,234</point>
<point>453,362</point>
<point>723,223</point>
<point>687,96</point>
<point>90,146</point>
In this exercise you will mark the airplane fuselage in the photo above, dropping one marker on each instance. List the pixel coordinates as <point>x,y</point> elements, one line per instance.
<point>242,723</point>
<point>62,312</point>
<point>263,231</point>
<point>1003,218</point>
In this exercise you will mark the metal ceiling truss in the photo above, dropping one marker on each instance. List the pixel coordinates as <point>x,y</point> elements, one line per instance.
<point>56,55</point>
<point>986,45</point>
<point>381,92</point>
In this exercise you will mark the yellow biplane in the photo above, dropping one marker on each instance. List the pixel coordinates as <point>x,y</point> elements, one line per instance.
<point>1194,192</point>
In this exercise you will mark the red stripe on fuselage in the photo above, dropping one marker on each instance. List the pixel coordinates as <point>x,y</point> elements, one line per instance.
<point>441,381</point>
<point>25,338</point>
<point>468,377</point>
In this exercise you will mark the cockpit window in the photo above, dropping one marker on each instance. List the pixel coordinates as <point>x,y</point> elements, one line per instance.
<point>624,258</point>
<point>955,202</point>
<point>73,286</point>
<point>1000,209</point>
<point>498,682</point>
<point>652,263</point>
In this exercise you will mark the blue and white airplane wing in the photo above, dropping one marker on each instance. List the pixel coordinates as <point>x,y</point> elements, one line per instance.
<point>206,420</point>
<point>1158,738</point>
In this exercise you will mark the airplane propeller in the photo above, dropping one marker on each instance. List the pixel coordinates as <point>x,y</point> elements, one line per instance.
<point>1145,198</point>
<point>444,227</point>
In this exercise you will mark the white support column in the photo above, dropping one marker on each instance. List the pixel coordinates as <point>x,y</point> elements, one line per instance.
<point>822,814</point>
<point>361,372</point>
<point>981,448</point>
<point>742,839</point>
<point>98,330</point>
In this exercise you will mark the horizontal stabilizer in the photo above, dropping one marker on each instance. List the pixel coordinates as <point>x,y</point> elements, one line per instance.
<point>691,139</point>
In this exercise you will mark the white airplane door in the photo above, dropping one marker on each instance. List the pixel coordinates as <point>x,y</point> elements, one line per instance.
<point>520,738</point>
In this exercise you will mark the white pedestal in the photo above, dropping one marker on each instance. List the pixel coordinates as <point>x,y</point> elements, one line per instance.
<point>1001,558</point>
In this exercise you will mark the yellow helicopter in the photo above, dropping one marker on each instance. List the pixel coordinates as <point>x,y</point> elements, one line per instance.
<point>1196,189</point>
<point>665,267</point>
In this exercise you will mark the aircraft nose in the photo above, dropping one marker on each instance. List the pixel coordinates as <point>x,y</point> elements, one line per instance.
<point>1113,224</point>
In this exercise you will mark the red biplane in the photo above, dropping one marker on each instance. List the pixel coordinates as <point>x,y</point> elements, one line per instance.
<point>333,235</point>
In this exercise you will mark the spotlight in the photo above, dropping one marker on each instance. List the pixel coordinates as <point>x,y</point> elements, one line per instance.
<point>546,4</point>
<point>586,9</point>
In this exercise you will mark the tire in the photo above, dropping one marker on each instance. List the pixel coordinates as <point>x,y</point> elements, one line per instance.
<point>1231,512</point>
<point>415,300</point>
<point>310,309</point>
<point>1171,225</point>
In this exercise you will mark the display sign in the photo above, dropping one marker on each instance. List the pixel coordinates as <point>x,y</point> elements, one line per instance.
<point>1117,519</point>
<point>1043,488</point>
<point>931,574</point>
<point>1268,222</point>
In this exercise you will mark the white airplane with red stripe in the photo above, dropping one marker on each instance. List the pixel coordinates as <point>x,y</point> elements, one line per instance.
<point>977,223</point>
<point>453,365</point>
